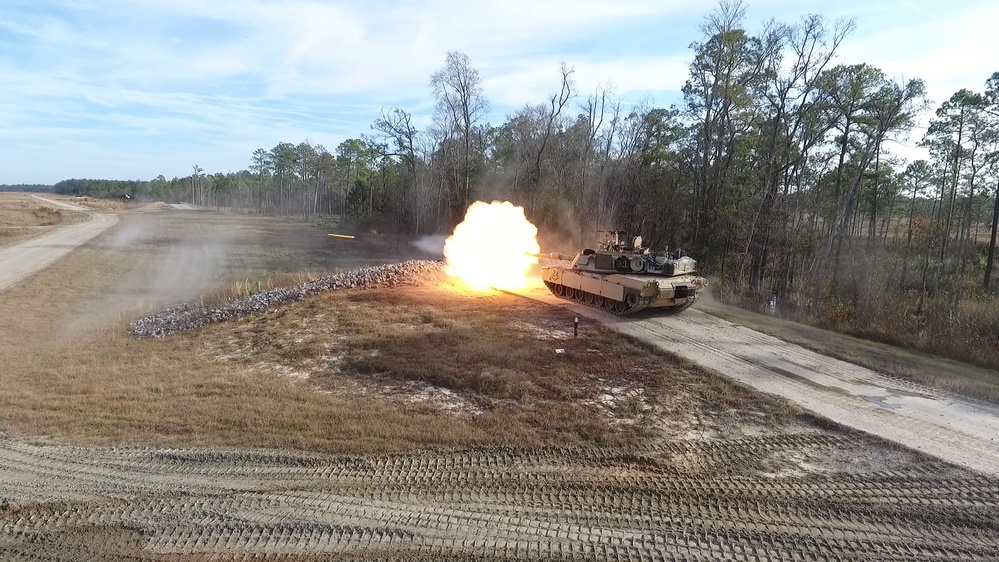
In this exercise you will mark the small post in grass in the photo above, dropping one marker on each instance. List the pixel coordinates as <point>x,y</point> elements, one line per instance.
<point>575,328</point>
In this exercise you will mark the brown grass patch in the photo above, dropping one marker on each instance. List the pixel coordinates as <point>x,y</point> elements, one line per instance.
<point>23,217</point>
<point>494,359</point>
<point>71,375</point>
<point>98,204</point>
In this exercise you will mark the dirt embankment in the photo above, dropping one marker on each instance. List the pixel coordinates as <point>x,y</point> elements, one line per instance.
<point>23,216</point>
<point>190,316</point>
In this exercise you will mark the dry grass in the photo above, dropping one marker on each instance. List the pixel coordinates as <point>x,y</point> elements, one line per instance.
<point>98,204</point>
<point>968,332</point>
<point>495,355</point>
<point>23,217</point>
<point>71,375</point>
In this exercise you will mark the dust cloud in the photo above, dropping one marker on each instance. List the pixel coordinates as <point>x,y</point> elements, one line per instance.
<point>160,262</point>
<point>128,234</point>
<point>154,260</point>
<point>433,244</point>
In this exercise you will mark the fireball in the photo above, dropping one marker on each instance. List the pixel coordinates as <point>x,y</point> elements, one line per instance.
<point>489,248</point>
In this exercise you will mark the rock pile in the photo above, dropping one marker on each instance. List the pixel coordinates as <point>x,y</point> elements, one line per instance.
<point>189,316</point>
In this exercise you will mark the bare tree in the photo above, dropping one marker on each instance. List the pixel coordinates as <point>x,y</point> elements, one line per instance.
<point>460,105</point>
<point>596,110</point>
<point>196,182</point>
<point>556,104</point>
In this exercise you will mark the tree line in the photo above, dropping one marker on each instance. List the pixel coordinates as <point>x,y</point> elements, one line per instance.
<point>774,172</point>
<point>36,187</point>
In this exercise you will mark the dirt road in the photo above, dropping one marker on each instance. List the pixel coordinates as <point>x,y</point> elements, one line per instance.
<point>62,204</point>
<point>23,259</point>
<point>945,426</point>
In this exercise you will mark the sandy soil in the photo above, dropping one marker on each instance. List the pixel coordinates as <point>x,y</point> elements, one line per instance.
<point>946,426</point>
<point>807,496</point>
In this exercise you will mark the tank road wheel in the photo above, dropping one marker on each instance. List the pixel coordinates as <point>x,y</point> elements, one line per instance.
<point>588,298</point>
<point>598,301</point>
<point>631,299</point>
<point>570,293</point>
<point>620,307</point>
<point>559,290</point>
<point>609,304</point>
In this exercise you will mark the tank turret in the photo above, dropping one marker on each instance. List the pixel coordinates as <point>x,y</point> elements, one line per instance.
<point>623,276</point>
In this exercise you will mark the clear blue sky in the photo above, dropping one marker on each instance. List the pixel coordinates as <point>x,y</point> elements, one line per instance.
<point>129,89</point>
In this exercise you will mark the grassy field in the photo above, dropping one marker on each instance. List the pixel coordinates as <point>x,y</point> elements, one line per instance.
<point>372,370</point>
<point>71,373</point>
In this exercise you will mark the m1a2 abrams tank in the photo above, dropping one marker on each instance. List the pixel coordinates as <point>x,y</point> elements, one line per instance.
<point>625,279</point>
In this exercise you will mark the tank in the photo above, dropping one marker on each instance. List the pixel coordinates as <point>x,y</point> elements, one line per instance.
<point>625,278</point>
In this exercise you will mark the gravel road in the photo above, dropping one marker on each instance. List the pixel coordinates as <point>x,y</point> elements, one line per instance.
<point>23,259</point>
<point>949,427</point>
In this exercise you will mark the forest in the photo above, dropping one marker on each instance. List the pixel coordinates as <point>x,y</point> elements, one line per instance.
<point>774,173</point>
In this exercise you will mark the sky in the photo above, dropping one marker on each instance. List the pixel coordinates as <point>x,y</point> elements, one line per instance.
<point>131,89</point>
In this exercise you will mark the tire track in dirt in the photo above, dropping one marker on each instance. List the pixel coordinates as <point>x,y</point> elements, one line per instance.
<point>696,499</point>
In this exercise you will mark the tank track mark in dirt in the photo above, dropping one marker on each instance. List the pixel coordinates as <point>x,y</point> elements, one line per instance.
<point>694,499</point>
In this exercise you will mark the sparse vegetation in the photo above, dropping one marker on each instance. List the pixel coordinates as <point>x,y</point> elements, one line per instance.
<point>495,354</point>
<point>243,288</point>
<point>23,217</point>
<point>70,373</point>
<point>47,216</point>
<point>880,298</point>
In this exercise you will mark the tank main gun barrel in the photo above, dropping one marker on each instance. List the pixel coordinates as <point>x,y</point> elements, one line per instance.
<point>551,256</point>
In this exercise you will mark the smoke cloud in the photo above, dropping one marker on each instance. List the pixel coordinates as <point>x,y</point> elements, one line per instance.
<point>433,244</point>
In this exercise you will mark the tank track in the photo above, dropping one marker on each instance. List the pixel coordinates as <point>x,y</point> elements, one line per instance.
<point>706,499</point>
<point>609,305</point>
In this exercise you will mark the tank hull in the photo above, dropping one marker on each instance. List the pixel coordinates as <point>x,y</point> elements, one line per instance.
<point>621,293</point>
